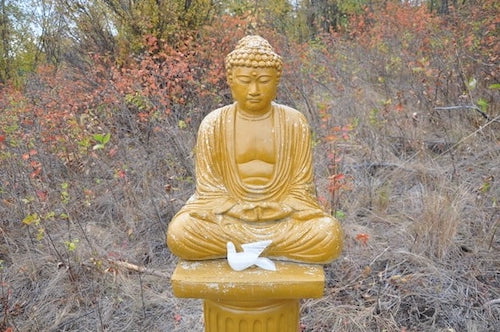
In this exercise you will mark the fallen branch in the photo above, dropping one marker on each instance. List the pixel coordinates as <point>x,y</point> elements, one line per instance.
<point>495,301</point>
<point>140,269</point>
<point>473,107</point>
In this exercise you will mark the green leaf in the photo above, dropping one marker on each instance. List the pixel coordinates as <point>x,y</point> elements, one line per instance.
<point>494,86</point>
<point>339,214</point>
<point>103,139</point>
<point>71,245</point>
<point>84,142</point>
<point>40,234</point>
<point>98,137</point>
<point>483,104</point>
<point>31,219</point>
<point>50,215</point>
<point>106,138</point>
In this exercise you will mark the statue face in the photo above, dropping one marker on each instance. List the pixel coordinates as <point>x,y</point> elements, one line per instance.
<point>253,88</point>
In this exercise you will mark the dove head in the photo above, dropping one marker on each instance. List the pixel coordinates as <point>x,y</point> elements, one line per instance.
<point>230,247</point>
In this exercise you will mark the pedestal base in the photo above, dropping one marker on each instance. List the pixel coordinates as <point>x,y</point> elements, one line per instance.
<point>253,300</point>
<point>253,316</point>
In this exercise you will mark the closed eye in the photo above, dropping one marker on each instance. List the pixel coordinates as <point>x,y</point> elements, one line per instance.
<point>244,79</point>
<point>264,79</point>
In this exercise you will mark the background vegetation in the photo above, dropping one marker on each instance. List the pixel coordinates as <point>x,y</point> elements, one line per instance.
<point>100,101</point>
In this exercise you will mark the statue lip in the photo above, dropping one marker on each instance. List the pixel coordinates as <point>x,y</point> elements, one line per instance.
<point>254,100</point>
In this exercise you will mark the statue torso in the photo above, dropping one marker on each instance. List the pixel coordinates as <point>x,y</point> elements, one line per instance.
<point>255,149</point>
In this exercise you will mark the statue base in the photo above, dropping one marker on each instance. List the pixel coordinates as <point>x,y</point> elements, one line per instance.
<point>251,316</point>
<point>253,300</point>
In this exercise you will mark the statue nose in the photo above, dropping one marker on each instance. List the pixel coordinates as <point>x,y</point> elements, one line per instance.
<point>254,89</point>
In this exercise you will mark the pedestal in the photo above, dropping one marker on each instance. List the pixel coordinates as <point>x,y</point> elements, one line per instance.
<point>253,300</point>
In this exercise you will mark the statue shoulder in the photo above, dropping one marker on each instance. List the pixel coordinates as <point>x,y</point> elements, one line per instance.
<point>293,115</point>
<point>210,120</point>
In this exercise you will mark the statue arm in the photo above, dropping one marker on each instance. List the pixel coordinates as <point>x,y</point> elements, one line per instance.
<point>301,195</point>
<point>211,191</point>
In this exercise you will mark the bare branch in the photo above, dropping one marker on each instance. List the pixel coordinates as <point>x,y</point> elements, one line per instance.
<point>140,269</point>
<point>492,302</point>
<point>473,107</point>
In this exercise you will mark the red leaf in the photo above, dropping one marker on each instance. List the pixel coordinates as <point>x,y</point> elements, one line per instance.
<point>112,152</point>
<point>337,177</point>
<point>121,174</point>
<point>143,116</point>
<point>363,238</point>
<point>35,173</point>
<point>42,195</point>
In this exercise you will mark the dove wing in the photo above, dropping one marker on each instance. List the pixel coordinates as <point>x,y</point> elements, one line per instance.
<point>256,247</point>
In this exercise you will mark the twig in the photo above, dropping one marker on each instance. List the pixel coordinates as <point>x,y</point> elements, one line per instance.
<point>379,255</point>
<point>71,321</point>
<point>495,227</point>
<point>473,107</point>
<point>495,301</point>
<point>496,119</point>
<point>142,298</point>
<point>140,269</point>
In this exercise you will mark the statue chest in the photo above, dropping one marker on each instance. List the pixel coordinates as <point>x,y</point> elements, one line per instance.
<point>254,140</point>
<point>255,151</point>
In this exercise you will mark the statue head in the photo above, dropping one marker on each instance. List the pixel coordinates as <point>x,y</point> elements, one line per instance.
<point>254,52</point>
<point>253,74</point>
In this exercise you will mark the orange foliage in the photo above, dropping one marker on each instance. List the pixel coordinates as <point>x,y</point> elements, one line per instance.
<point>63,107</point>
<point>363,238</point>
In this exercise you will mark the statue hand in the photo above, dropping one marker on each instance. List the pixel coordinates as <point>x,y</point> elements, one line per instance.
<point>263,211</point>
<point>244,211</point>
<point>204,215</point>
<point>269,211</point>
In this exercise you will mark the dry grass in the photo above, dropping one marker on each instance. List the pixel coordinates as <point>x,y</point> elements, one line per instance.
<point>424,189</point>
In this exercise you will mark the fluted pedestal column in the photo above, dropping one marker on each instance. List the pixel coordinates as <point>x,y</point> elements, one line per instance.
<point>253,300</point>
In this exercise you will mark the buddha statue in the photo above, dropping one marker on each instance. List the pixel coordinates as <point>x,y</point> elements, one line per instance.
<point>254,176</point>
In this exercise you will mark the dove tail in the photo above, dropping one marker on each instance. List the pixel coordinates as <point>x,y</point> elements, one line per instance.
<point>265,263</point>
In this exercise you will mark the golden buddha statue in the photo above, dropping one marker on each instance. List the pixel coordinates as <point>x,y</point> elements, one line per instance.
<point>254,177</point>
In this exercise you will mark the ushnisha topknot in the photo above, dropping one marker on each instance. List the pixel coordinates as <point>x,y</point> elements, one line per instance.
<point>253,51</point>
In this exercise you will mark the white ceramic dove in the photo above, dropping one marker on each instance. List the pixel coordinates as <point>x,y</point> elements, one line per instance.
<point>239,261</point>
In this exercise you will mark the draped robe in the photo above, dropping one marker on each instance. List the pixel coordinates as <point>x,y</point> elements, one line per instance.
<point>224,208</point>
